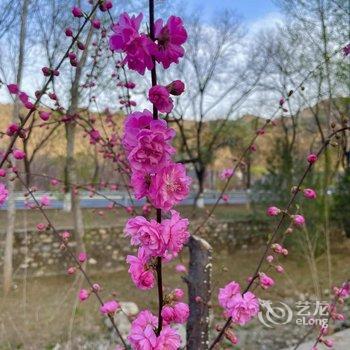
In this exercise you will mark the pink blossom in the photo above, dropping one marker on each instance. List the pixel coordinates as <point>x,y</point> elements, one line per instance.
<point>170,37</point>
<point>176,87</point>
<point>41,227</point>
<point>225,197</point>
<point>269,259</point>
<point>228,292</point>
<point>273,211</point>
<point>309,193</point>
<point>96,24</point>
<point>83,294</point>
<point>141,274</point>
<point>175,232</point>
<point>12,129</point>
<point>18,154</point>
<point>125,31</point>
<point>54,182</point>
<point>133,124</point>
<point>243,308</point>
<point>266,281</point>
<point>346,50</point>
<point>71,270</point>
<point>77,12</point>
<point>279,269</point>
<point>68,32</point>
<point>181,312</point>
<point>44,115</point>
<point>23,97</point>
<point>13,88</point>
<point>146,233</point>
<point>312,158</point>
<point>109,307</point>
<point>298,220</point>
<point>160,97</point>
<point>3,193</point>
<point>139,54</point>
<point>82,257</point>
<point>178,294</point>
<point>151,153</point>
<point>140,182</point>
<point>2,172</point>
<point>180,268</point>
<point>169,186</point>
<point>45,201</point>
<point>225,174</point>
<point>328,342</point>
<point>142,335</point>
<point>168,339</point>
<point>94,136</point>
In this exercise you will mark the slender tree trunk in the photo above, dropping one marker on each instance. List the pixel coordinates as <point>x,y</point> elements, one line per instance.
<point>199,200</point>
<point>71,174</point>
<point>199,293</point>
<point>11,208</point>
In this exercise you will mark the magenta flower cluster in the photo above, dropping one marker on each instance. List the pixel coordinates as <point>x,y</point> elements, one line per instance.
<point>147,142</point>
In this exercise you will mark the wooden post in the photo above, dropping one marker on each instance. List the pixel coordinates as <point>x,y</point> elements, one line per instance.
<point>199,292</point>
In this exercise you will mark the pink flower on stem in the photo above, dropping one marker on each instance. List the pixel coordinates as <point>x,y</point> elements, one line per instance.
<point>12,129</point>
<point>168,339</point>
<point>309,193</point>
<point>312,158</point>
<point>41,227</point>
<point>96,24</point>
<point>266,281</point>
<point>152,151</point>
<point>45,201</point>
<point>176,88</point>
<point>298,220</point>
<point>68,32</point>
<point>160,97</point>
<point>109,307</point>
<point>180,268</point>
<point>279,269</point>
<point>175,232</point>
<point>77,12</point>
<point>169,186</point>
<point>18,154</point>
<point>228,292</point>
<point>141,274</point>
<point>242,308</point>
<point>126,30</point>
<point>169,37</point>
<point>225,174</point>
<point>225,197</point>
<point>142,334</point>
<point>13,88</point>
<point>82,257</point>
<point>146,233</point>
<point>83,294</point>
<point>273,211</point>
<point>3,194</point>
<point>44,115</point>
<point>139,54</point>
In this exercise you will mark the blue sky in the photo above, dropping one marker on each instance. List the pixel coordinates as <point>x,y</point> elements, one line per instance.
<point>251,10</point>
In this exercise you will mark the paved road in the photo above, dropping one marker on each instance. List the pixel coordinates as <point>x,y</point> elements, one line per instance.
<point>100,201</point>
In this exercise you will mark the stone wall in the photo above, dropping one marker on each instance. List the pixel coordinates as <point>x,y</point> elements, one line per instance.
<point>38,253</point>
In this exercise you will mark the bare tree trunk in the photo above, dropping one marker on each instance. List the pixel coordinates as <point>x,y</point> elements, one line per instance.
<point>71,174</point>
<point>199,292</point>
<point>11,208</point>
